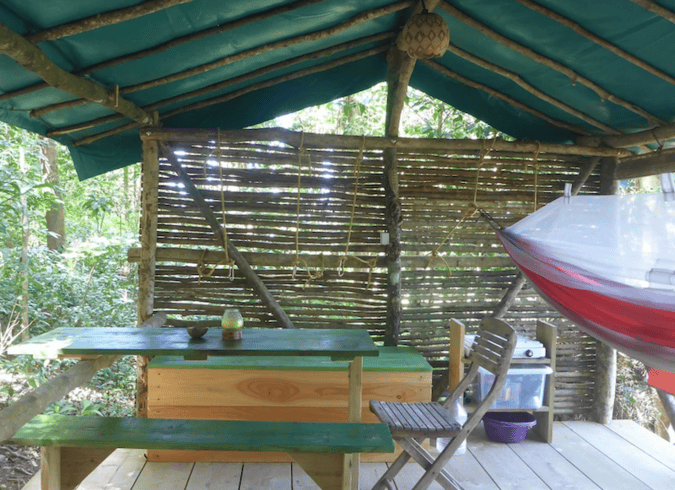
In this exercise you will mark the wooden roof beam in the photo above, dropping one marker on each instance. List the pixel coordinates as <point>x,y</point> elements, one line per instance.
<point>101,20</point>
<point>258,16</point>
<point>514,77</point>
<point>33,59</point>
<point>466,81</point>
<point>597,40</point>
<point>311,140</point>
<point>554,65</point>
<point>656,9</point>
<point>658,135</point>
<point>655,163</point>
<point>314,55</point>
<point>249,53</point>
<point>238,93</point>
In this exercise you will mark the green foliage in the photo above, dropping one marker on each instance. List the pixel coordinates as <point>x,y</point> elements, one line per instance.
<point>364,114</point>
<point>87,285</point>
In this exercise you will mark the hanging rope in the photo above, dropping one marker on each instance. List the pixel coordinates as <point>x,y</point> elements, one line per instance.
<point>371,263</point>
<point>303,152</point>
<point>483,154</point>
<point>470,212</point>
<point>229,262</point>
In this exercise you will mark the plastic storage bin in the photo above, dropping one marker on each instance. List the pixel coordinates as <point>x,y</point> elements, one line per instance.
<point>523,389</point>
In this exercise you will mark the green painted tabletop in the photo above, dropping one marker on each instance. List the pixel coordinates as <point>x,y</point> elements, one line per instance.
<point>336,343</point>
<point>402,358</point>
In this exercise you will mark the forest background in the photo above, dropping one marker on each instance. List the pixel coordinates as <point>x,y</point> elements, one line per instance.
<point>63,247</point>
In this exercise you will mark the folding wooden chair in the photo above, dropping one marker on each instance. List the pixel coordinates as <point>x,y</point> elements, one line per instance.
<point>411,423</point>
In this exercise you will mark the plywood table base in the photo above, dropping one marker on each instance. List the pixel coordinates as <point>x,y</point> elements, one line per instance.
<point>64,468</point>
<point>325,469</point>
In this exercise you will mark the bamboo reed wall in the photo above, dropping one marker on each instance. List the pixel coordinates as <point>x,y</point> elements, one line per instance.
<point>265,207</point>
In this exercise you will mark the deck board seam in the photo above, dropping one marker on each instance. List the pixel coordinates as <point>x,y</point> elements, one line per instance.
<point>138,475</point>
<point>187,482</point>
<point>530,467</point>
<point>481,465</point>
<point>572,463</point>
<point>600,452</point>
<point>625,467</point>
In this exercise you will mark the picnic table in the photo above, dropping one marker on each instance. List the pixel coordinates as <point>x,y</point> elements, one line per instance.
<point>328,452</point>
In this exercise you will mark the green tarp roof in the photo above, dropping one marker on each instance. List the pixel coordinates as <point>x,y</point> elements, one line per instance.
<point>548,58</point>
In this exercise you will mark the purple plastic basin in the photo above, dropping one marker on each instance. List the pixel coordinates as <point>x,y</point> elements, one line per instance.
<point>508,426</point>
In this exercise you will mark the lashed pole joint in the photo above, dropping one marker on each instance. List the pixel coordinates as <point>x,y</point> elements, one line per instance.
<point>33,59</point>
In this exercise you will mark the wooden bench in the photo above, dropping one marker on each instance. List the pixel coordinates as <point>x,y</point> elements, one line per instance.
<point>74,446</point>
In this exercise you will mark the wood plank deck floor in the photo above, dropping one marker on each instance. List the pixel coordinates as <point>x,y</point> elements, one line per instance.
<point>584,455</point>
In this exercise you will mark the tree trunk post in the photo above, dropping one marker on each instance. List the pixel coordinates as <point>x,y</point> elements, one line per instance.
<point>605,357</point>
<point>398,75</point>
<point>146,268</point>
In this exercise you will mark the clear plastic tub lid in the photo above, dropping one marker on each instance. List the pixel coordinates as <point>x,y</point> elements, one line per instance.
<point>523,371</point>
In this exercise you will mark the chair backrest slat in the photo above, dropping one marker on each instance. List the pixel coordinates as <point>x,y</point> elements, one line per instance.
<point>497,340</point>
<point>485,362</point>
<point>492,349</point>
<point>487,352</point>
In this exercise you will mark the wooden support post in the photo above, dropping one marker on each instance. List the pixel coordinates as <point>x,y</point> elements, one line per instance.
<point>354,409</point>
<point>456,354</point>
<point>252,279</point>
<point>398,75</point>
<point>64,468</point>
<point>146,269</point>
<point>326,469</point>
<point>399,69</point>
<point>393,219</point>
<point>605,357</point>
<point>50,468</point>
<point>547,334</point>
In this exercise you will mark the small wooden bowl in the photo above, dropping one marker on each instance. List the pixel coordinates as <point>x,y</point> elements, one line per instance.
<point>197,332</point>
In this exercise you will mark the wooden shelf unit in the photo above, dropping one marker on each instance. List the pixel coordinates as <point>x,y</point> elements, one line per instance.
<point>547,335</point>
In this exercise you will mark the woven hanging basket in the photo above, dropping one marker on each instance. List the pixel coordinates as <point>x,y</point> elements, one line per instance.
<point>425,35</point>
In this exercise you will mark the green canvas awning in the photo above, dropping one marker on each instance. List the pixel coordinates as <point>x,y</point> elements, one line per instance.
<point>552,71</point>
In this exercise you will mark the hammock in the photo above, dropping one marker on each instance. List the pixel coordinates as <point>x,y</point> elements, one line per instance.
<point>608,264</point>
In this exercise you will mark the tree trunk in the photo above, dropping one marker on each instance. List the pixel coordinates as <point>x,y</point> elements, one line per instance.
<point>25,238</point>
<point>56,224</point>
